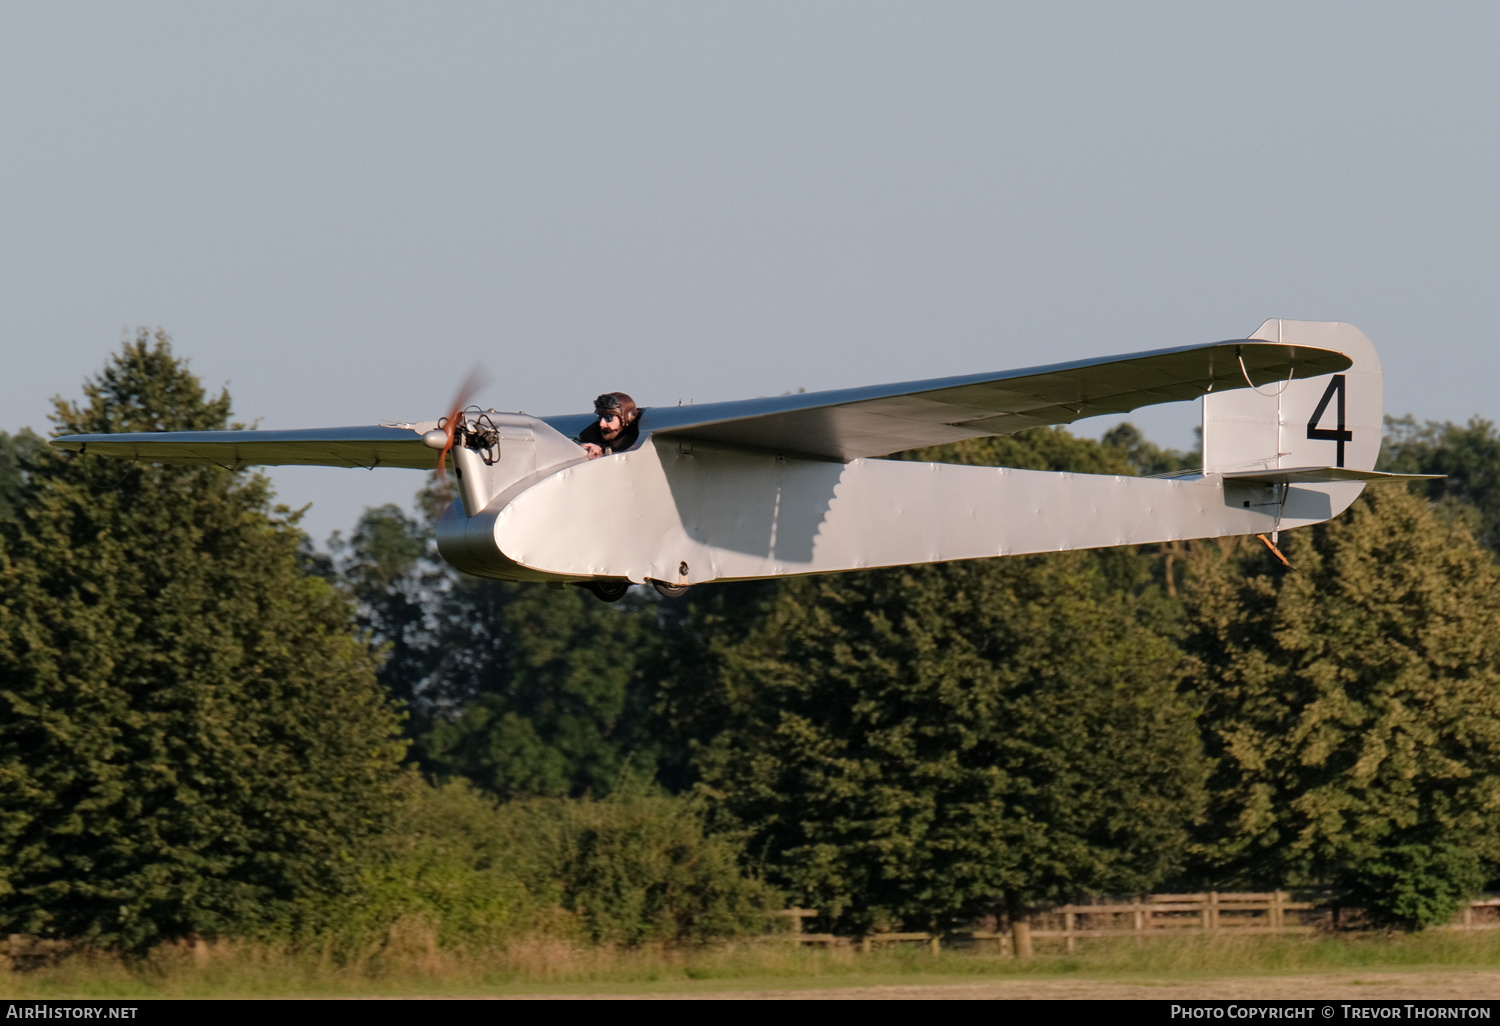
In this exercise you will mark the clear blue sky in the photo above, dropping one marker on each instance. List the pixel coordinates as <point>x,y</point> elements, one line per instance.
<point>336,208</point>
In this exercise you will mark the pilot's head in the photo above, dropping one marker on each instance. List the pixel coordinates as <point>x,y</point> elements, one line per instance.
<point>616,411</point>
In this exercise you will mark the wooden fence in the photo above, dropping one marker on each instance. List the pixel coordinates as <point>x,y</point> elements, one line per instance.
<point>1156,915</point>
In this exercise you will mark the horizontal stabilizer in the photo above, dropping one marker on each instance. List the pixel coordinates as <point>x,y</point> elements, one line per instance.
<point>1323,475</point>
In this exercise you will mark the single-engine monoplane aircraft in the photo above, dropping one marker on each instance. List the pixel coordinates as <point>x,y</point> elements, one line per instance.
<point>793,484</point>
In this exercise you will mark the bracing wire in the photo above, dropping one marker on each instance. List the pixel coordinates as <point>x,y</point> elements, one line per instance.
<point>118,481</point>
<point>1257,391</point>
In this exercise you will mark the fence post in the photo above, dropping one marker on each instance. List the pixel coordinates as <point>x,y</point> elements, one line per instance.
<point>1020,932</point>
<point>1211,912</point>
<point>1277,920</point>
<point>1068,930</point>
<point>796,915</point>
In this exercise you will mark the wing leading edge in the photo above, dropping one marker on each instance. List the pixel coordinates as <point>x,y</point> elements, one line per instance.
<point>881,419</point>
<point>368,447</point>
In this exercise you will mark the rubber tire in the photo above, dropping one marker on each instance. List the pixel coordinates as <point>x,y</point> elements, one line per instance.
<point>670,590</point>
<point>608,591</point>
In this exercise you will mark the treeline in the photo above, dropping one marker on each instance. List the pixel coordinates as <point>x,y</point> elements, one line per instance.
<point>207,727</point>
<point>920,746</point>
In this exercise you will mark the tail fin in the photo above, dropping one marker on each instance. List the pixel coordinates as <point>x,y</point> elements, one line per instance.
<point>1334,421</point>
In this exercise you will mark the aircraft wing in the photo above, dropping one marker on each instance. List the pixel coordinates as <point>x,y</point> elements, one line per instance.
<point>845,424</point>
<point>881,419</point>
<point>378,446</point>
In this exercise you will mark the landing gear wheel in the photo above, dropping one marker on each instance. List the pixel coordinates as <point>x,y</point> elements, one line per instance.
<point>608,591</point>
<point>670,590</point>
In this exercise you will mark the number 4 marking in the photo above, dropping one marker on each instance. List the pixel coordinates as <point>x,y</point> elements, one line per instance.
<point>1339,433</point>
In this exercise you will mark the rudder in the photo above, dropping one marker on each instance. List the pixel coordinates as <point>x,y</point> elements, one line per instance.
<point>1331,421</point>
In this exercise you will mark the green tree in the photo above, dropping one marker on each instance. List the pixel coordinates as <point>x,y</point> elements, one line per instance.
<point>191,736</point>
<point>549,690</point>
<point>388,567</point>
<point>1352,709</point>
<point>1146,457</point>
<point>688,709</point>
<point>17,452</point>
<point>445,863</point>
<point>530,691</point>
<point>521,689</point>
<point>1038,449</point>
<point>1468,455</point>
<point>636,867</point>
<point>457,867</point>
<point>918,746</point>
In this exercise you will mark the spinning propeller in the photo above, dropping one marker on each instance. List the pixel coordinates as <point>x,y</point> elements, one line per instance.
<point>442,436</point>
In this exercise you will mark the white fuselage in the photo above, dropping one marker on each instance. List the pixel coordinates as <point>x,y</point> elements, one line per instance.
<point>685,512</point>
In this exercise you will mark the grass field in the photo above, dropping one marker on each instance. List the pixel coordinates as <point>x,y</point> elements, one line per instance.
<point>1428,965</point>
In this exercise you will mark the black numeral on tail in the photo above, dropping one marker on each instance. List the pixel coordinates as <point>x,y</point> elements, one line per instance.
<point>1338,434</point>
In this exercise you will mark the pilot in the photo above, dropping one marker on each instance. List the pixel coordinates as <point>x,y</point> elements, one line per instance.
<point>617,426</point>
